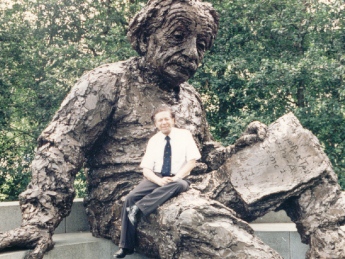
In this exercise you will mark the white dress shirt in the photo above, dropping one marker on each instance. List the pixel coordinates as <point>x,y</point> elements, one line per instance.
<point>183,149</point>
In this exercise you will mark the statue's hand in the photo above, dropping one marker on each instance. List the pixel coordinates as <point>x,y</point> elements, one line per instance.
<point>214,154</point>
<point>33,237</point>
<point>256,131</point>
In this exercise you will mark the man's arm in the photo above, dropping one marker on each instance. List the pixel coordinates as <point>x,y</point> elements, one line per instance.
<point>151,176</point>
<point>185,170</point>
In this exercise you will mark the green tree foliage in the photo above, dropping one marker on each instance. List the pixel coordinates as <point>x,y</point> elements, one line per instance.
<point>270,57</point>
<point>45,46</point>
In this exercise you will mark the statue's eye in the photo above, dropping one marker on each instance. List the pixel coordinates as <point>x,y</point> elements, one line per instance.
<point>201,45</point>
<point>178,35</point>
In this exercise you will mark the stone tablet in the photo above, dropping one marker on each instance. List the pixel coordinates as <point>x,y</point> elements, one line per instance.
<point>289,157</point>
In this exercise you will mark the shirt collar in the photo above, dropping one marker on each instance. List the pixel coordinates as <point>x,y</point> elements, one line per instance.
<point>172,133</point>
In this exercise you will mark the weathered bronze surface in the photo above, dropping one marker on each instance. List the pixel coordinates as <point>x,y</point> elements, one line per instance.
<point>104,124</point>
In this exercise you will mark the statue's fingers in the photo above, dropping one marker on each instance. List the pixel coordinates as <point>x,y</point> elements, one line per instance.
<point>252,128</point>
<point>6,240</point>
<point>15,237</point>
<point>262,132</point>
<point>29,237</point>
<point>258,128</point>
<point>246,140</point>
<point>37,253</point>
<point>43,245</point>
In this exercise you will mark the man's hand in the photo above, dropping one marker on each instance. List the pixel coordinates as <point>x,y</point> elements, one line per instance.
<point>165,180</point>
<point>161,181</point>
<point>184,171</point>
<point>256,131</point>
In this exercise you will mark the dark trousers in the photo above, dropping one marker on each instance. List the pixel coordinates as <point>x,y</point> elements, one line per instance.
<point>148,196</point>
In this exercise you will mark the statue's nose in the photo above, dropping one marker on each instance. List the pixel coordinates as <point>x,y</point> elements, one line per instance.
<point>191,50</point>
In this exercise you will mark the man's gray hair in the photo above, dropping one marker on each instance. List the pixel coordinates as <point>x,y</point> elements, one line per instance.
<point>162,108</point>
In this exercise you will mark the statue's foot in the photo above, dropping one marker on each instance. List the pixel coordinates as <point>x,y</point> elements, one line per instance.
<point>37,239</point>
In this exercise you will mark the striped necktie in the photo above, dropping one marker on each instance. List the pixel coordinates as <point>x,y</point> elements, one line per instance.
<point>166,169</point>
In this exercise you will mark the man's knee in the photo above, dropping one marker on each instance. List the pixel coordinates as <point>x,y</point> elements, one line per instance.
<point>181,185</point>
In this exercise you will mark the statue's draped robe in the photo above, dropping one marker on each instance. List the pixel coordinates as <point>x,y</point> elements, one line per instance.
<point>104,124</point>
<point>113,163</point>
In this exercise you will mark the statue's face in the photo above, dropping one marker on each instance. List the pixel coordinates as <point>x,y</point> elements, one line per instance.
<point>176,49</point>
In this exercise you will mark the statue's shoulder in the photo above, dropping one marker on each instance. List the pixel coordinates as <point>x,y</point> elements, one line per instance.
<point>104,81</point>
<point>115,69</point>
<point>189,88</point>
<point>106,77</point>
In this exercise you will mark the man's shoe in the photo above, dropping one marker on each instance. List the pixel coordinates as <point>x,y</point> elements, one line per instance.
<point>123,252</point>
<point>133,214</point>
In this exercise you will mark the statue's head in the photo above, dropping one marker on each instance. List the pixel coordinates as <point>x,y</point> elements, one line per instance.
<point>173,36</point>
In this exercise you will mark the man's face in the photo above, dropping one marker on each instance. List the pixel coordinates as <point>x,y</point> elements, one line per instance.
<point>164,122</point>
<point>176,49</point>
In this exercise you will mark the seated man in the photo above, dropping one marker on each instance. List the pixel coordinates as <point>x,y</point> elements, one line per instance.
<point>170,156</point>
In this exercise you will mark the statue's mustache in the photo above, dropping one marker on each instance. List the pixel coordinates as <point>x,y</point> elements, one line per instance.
<point>184,63</point>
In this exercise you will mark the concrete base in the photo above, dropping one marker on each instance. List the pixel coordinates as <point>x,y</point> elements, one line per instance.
<point>11,218</point>
<point>84,246</point>
<point>282,237</point>
<point>76,246</point>
<point>277,230</point>
<point>73,241</point>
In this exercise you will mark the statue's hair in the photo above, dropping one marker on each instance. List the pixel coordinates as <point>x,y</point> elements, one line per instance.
<point>146,20</point>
